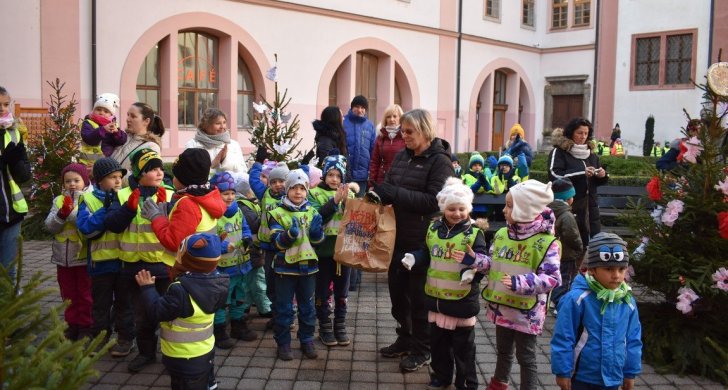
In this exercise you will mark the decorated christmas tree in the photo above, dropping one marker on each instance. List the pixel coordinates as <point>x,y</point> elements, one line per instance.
<point>683,255</point>
<point>273,126</point>
<point>56,147</point>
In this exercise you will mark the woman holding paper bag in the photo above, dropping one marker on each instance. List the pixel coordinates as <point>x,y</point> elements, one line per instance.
<point>416,176</point>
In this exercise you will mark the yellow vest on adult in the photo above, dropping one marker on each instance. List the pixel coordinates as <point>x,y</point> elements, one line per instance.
<point>138,241</point>
<point>188,337</point>
<point>657,151</point>
<point>514,257</point>
<point>443,276</point>
<point>89,153</point>
<point>16,195</point>
<point>70,234</point>
<point>207,224</point>
<point>106,246</point>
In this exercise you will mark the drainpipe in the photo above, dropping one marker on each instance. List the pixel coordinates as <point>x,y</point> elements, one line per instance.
<point>710,35</point>
<point>596,63</point>
<point>457,77</point>
<point>93,49</point>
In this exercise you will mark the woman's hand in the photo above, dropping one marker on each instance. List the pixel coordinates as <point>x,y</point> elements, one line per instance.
<point>217,161</point>
<point>600,172</point>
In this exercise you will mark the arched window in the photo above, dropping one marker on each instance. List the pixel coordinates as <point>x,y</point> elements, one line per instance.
<point>197,76</point>
<point>147,89</point>
<point>246,95</point>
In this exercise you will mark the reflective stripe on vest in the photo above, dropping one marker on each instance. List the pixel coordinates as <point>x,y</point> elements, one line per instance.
<point>301,249</point>
<point>267,204</point>
<point>207,224</point>
<point>331,228</point>
<point>106,246</point>
<point>443,276</point>
<point>16,195</point>
<point>515,257</point>
<point>499,185</point>
<point>233,226</point>
<point>188,337</point>
<point>89,153</point>
<point>138,241</point>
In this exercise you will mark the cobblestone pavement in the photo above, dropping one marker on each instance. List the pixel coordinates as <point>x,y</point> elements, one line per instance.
<point>252,365</point>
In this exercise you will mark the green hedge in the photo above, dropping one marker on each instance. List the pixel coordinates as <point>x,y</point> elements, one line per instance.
<point>630,171</point>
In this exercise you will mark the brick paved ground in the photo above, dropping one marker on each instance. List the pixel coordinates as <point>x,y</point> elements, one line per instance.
<point>252,365</point>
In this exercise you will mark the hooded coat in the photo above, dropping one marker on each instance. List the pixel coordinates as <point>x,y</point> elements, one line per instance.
<point>186,217</point>
<point>603,349</point>
<point>562,164</point>
<point>327,138</point>
<point>417,180</point>
<point>360,136</point>
<point>134,142</point>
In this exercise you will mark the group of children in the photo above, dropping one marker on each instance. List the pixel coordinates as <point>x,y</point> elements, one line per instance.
<point>161,255</point>
<point>596,342</point>
<point>196,256</point>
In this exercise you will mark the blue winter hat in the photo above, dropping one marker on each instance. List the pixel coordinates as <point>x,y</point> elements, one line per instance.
<point>335,162</point>
<point>224,181</point>
<point>492,163</point>
<point>563,189</point>
<point>505,159</point>
<point>476,158</point>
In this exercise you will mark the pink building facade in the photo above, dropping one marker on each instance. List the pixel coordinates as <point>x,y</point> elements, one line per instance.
<point>478,71</point>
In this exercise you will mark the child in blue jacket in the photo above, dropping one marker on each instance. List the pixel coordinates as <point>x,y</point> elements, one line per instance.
<point>597,340</point>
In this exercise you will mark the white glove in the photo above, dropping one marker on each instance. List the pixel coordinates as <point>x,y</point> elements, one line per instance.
<point>408,261</point>
<point>467,277</point>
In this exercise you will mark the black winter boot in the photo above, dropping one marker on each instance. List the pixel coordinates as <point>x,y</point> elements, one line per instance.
<point>340,331</point>
<point>239,330</point>
<point>222,339</point>
<point>326,333</point>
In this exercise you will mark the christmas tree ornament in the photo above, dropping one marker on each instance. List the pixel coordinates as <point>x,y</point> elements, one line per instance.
<point>718,78</point>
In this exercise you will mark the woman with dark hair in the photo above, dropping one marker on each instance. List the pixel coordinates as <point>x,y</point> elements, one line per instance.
<point>573,157</point>
<point>144,129</point>
<point>213,136</point>
<point>330,134</point>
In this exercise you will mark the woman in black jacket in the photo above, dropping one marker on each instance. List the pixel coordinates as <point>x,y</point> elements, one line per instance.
<point>330,134</point>
<point>416,176</point>
<point>573,158</point>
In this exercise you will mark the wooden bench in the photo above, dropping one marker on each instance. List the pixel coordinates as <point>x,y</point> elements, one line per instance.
<point>614,201</point>
<point>617,201</point>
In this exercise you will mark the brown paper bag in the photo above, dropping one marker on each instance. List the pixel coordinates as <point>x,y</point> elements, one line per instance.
<point>366,236</point>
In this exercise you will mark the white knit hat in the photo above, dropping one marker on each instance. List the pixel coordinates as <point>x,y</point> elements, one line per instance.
<point>296,176</point>
<point>279,172</point>
<point>108,101</point>
<point>455,192</point>
<point>530,198</point>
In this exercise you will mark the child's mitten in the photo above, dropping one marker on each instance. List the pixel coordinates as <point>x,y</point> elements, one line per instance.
<point>67,207</point>
<point>408,261</point>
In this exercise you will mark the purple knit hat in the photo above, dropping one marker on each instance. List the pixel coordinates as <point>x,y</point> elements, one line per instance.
<point>268,166</point>
<point>77,168</point>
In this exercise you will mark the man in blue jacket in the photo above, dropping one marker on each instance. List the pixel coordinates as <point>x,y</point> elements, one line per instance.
<point>597,340</point>
<point>360,137</point>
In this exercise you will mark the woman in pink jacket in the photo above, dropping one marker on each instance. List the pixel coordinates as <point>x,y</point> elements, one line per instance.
<point>388,144</point>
